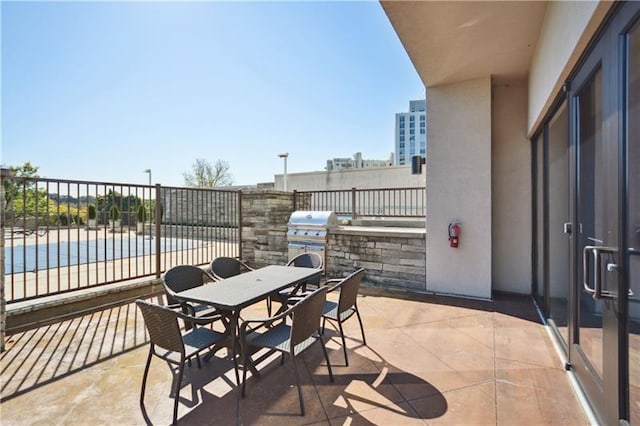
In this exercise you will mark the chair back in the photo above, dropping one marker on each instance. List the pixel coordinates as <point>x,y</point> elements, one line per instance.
<point>308,260</point>
<point>162,325</point>
<point>349,290</point>
<point>306,316</point>
<point>181,278</point>
<point>226,267</point>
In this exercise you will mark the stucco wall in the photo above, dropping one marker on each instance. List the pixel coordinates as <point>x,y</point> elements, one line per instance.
<point>458,171</point>
<point>511,189</point>
<point>566,31</point>
<point>379,177</point>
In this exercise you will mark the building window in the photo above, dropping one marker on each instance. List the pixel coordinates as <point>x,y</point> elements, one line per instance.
<point>422,124</point>
<point>422,151</point>
<point>412,131</point>
<point>422,118</point>
<point>412,138</point>
<point>422,131</point>
<point>402,125</point>
<point>401,132</point>
<point>402,118</point>
<point>412,125</point>
<point>401,144</point>
<point>401,138</point>
<point>412,118</point>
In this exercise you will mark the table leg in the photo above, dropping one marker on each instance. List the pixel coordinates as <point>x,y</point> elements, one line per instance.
<point>233,323</point>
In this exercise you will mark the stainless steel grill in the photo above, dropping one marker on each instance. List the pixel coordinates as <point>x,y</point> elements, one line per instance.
<point>308,231</point>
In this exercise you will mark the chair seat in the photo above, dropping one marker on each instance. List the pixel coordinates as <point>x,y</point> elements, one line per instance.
<point>278,338</point>
<point>204,310</point>
<point>195,341</point>
<point>330,310</point>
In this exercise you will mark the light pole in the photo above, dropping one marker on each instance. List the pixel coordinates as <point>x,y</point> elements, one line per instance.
<point>149,171</point>
<point>284,155</point>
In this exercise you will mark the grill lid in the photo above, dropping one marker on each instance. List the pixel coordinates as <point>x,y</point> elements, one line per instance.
<point>324,219</point>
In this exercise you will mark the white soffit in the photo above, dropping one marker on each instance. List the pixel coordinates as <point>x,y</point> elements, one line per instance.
<point>451,41</point>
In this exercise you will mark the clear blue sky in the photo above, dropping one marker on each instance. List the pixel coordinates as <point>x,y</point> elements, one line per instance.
<point>104,90</point>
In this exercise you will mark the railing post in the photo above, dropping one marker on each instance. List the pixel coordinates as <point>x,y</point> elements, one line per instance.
<point>295,200</point>
<point>240,224</point>
<point>4,174</point>
<point>158,219</point>
<point>354,214</point>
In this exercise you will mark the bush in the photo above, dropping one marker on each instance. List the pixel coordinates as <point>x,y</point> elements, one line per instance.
<point>142,213</point>
<point>92,211</point>
<point>63,219</point>
<point>114,213</point>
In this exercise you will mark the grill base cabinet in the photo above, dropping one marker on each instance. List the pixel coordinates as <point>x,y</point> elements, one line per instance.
<point>308,232</point>
<point>298,248</point>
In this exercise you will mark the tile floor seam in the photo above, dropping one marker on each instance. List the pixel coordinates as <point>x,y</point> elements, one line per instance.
<point>412,400</point>
<point>438,357</point>
<point>531,364</point>
<point>315,386</point>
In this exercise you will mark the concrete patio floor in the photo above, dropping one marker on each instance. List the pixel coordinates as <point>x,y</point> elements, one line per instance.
<point>429,360</point>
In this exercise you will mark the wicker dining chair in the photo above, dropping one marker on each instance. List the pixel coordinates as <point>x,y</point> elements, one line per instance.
<point>185,277</point>
<point>226,267</point>
<point>169,343</point>
<point>346,306</point>
<point>303,260</point>
<point>294,338</point>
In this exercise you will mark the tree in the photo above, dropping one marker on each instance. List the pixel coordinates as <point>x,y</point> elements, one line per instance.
<point>13,188</point>
<point>22,197</point>
<point>205,175</point>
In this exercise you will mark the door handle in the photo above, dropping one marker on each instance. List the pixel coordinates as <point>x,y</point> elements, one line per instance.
<point>595,252</point>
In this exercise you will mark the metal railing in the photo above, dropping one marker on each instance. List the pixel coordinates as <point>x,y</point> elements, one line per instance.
<point>66,235</point>
<point>355,203</point>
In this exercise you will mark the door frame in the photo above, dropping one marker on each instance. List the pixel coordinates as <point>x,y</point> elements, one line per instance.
<point>610,396</point>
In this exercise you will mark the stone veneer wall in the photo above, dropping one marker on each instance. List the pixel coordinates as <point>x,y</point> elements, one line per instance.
<point>198,206</point>
<point>265,215</point>
<point>392,257</point>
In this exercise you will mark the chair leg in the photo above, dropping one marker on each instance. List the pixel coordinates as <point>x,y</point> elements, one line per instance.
<point>198,360</point>
<point>244,372</point>
<point>177,391</point>
<point>326,356</point>
<point>295,369</point>
<point>364,341</point>
<point>324,320</point>
<point>344,344</point>
<point>144,377</point>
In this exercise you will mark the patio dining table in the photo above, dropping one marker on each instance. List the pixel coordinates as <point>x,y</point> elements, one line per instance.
<point>233,294</point>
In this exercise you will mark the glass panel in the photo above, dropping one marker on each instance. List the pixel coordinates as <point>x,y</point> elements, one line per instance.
<point>558,154</point>
<point>591,213</point>
<point>634,223</point>
<point>540,219</point>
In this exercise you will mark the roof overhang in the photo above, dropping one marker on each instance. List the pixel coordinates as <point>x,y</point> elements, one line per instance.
<point>457,41</point>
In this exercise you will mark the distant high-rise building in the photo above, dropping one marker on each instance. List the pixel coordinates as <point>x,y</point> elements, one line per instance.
<point>411,132</point>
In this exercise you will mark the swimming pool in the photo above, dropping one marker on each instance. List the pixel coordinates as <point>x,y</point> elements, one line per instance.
<point>31,258</point>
